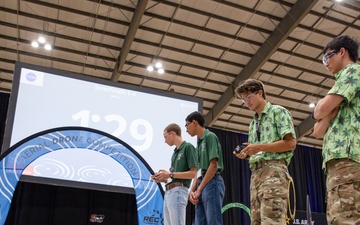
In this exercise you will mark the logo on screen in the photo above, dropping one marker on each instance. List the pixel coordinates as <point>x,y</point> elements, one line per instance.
<point>95,218</point>
<point>31,77</point>
<point>154,218</point>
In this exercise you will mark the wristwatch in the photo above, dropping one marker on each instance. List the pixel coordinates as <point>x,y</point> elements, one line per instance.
<point>171,175</point>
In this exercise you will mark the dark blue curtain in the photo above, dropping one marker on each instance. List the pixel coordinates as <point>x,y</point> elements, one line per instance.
<point>309,178</point>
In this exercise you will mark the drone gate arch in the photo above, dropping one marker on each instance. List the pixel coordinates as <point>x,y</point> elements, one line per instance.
<point>149,195</point>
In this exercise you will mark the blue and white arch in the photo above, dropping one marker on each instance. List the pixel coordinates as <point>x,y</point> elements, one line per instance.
<point>149,195</point>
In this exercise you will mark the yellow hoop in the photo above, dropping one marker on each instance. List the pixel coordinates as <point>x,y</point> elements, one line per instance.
<point>292,214</point>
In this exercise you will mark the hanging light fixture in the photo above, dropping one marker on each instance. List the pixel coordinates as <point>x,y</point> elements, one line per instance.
<point>157,67</point>
<point>41,42</point>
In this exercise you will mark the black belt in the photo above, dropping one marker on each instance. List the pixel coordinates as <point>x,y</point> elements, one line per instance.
<point>203,174</point>
<point>177,184</point>
<point>263,163</point>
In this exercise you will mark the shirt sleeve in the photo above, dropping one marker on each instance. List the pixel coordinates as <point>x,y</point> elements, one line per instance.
<point>348,83</point>
<point>284,122</point>
<point>214,146</point>
<point>190,155</point>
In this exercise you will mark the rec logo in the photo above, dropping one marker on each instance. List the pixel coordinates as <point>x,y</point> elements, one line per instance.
<point>154,218</point>
<point>96,218</point>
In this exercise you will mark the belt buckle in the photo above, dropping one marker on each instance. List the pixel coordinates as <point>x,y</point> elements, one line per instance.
<point>170,186</point>
<point>177,184</point>
<point>258,165</point>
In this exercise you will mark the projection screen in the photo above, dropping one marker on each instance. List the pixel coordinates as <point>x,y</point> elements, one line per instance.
<point>44,98</point>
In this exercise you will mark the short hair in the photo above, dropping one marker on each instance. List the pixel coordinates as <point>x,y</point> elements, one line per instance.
<point>250,85</point>
<point>198,117</point>
<point>173,127</point>
<point>344,41</point>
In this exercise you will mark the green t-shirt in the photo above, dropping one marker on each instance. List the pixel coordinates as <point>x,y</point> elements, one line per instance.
<point>208,147</point>
<point>182,160</point>
<point>274,124</point>
<point>342,139</point>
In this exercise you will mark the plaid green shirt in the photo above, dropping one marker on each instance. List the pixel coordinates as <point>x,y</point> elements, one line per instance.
<point>274,124</point>
<point>342,139</point>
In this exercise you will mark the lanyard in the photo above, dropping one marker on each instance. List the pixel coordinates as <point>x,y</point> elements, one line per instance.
<point>258,129</point>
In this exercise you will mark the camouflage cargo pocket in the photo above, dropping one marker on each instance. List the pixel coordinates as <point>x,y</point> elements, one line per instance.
<point>346,197</point>
<point>344,204</point>
<point>275,208</point>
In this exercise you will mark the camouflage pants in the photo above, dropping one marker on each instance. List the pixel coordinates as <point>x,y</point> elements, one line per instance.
<point>343,192</point>
<point>269,189</point>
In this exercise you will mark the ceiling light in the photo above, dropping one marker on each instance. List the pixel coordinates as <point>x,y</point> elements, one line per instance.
<point>35,44</point>
<point>41,40</point>
<point>157,67</point>
<point>161,71</point>
<point>150,68</point>
<point>47,47</point>
<point>312,105</point>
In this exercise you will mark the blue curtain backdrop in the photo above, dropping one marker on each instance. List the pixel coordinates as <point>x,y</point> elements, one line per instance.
<point>305,169</point>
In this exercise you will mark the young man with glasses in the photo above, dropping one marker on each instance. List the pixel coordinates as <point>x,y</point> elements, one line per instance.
<point>269,151</point>
<point>208,188</point>
<point>338,123</point>
<point>178,178</point>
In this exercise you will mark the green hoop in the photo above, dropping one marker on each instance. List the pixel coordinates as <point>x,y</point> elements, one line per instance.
<point>237,205</point>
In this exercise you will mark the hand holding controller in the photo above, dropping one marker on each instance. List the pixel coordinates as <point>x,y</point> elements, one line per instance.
<point>239,148</point>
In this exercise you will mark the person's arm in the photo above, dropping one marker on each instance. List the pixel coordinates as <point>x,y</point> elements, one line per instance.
<point>192,192</point>
<point>163,175</point>
<point>284,145</point>
<point>326,105</point>
<point>186,175</point>
<point>321,126</point>
<point>210,173</point>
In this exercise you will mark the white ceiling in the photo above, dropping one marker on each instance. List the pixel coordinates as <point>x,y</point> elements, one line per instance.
<point>206,47</point>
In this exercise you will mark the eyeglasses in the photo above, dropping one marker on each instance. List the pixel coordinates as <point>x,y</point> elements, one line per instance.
<point>167,134</point>
<point>247,98</point>
<point>187,125</point>
<point>328,55</point>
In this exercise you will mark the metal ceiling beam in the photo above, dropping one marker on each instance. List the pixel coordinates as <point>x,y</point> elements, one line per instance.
<point>5,90</point>
<point>299,10</point>
<point>129,39</point>
<point>304,127</point>
<point>165,60</point>
<point>165,47</point>
<point>77,26</point>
